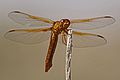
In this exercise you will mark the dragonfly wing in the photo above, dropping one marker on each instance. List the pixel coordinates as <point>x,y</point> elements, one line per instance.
<point>91,23</point>
<point>28,36</point>
<point>81,40</point>
<point>29,20</point>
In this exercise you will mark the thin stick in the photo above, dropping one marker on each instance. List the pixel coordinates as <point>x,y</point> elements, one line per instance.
<point>68,55</point>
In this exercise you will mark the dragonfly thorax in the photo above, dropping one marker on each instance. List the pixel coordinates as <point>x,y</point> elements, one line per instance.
<point>60,26</point>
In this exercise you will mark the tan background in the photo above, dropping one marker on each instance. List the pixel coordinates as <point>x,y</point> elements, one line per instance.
<point>26,62</point>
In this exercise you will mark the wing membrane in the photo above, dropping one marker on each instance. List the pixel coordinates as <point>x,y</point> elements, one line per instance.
<point>81,40</point>
<point>28,36</point>
<point>29,20</point>
<point>91,23</point>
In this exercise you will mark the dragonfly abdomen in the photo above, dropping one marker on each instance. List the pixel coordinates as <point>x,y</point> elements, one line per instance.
<point>51,51</point>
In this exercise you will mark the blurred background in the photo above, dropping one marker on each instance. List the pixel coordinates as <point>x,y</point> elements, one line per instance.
<point>26,62</point>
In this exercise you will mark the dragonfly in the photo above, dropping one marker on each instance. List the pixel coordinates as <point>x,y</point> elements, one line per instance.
<point>49,29</point>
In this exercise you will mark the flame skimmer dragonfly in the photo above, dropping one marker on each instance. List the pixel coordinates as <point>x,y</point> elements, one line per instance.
<point>55,28</point>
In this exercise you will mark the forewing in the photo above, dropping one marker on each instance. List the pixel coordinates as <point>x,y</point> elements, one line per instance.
<point>81,40</point>
<point>91,23</point>
<point>28,36</point>
<point>29,20</point>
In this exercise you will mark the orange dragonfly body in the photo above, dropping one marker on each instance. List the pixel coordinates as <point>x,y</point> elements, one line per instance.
<point>56,28</point>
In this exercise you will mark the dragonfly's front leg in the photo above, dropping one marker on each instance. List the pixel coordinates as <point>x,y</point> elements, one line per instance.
<point>51,50</point>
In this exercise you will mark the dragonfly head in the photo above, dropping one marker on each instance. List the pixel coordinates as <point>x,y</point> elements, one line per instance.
<point>65,23</point>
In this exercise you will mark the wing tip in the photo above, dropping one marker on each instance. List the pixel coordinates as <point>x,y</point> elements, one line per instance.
<point>100,36</point>
<point>11,31</point>
<point>11,13</point>
<point>108,17</point>
<point>105,41</point>
<point>16,11</point>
